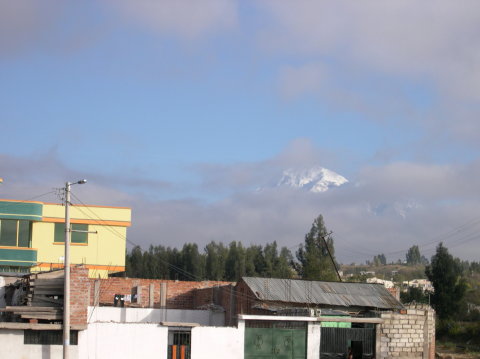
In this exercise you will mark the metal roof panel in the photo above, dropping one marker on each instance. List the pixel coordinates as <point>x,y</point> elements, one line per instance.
<point>323,293</point>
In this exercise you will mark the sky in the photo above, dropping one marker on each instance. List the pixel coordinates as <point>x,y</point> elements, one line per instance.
<point>189,112</point>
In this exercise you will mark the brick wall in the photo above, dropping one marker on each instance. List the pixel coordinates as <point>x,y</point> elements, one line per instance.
<point>79,295</point>
<point>221,295</point>
<point>409,335</point>
<point>180,294</point>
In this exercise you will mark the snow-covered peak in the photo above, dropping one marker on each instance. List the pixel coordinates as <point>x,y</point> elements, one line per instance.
<point>314,179</point>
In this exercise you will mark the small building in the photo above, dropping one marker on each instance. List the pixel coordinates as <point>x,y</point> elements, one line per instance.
<point>257,318</point>
<point>328,318</point>
<point>424,284</point>
<point>32,236</point>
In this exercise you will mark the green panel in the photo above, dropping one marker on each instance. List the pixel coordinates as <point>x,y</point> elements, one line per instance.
<point>18,257</point>
<point>299,343</point>
<point>7,264</point>
<point>336,324</point>
<point>275,343</point>
<point>258,343</point>
<point>21,210</point>
<point>282,343</point>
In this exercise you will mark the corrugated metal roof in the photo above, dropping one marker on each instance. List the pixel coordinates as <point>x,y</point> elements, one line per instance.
<point>324,293</point>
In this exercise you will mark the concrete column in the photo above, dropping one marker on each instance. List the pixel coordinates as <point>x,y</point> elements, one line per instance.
<point>150,295</point>
<point>314,330</point>
<point>163,295</point>
<point>96,293</point>
<point>241,334</point>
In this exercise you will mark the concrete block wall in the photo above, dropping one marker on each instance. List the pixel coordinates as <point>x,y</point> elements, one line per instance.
<point>408,335</point>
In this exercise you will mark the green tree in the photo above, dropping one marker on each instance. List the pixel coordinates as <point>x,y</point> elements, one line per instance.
<point>445,273</point>
<point>284,264</point>
<point>379,260</point>
<point>216,257</point>
<point>235,264</point>
<point>253,261</point>
<point>413,294</point>
<point>314,262</point>
<point>278,265</point>
<point>413,256</point>
<point>193,263</point>
<point>135,263</point>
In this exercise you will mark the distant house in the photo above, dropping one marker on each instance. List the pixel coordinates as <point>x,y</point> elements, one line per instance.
<point>424,284</point>
<point>386,283</point>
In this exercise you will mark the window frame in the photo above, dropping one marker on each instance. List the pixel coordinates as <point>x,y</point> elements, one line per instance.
<point>18,240</point>
<point>75,238</point>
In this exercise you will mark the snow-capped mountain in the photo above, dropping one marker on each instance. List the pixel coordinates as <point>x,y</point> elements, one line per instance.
<point>314,179</point>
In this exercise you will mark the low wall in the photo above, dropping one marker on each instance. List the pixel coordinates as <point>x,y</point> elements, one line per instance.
<point>12,347</point>
<point>150,315</point>
<point>123,341</point>
<point>210,342</point>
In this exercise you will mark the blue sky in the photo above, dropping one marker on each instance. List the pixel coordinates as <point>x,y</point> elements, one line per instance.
<point>184,109</point>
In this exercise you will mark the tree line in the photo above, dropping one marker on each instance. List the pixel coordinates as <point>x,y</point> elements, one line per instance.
<point>313,260</point>
<point>412,258</point>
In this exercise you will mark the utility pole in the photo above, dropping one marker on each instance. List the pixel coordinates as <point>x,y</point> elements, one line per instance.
<point>331,257</point>
<point>66,261</point>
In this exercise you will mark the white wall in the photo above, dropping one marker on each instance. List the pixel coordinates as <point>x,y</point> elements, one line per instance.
<point>150,315</point>
<point>314,331</point>
<point>115,340</point>
<point>214,342</point>
<point>12,347</point>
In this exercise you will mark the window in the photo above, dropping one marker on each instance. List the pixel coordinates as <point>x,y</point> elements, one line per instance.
<point>77,237</point>
<point>48,337</point>
<point>15,233</point>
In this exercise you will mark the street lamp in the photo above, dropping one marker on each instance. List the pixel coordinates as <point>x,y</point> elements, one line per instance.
<point>66,261</point>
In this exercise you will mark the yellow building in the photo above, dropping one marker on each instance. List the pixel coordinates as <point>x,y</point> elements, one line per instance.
<point>32,237</point>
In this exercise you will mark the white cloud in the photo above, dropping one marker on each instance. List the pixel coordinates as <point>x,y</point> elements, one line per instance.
<point>188,19</point>
<point>435,38</point>
<point>385,209</point>
<point>380,59</point>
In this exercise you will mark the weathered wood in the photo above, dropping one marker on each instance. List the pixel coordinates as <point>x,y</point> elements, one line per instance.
<point>39,326</point>
<point>42,316</point>
<point>42,301</point>
<point>48,291</point>
<point>49,281</point>
<point>29,309</point>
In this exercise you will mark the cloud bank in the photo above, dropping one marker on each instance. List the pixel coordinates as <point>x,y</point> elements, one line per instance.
<point>384,209</point>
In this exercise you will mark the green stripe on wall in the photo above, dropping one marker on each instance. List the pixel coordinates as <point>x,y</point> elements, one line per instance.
<point>17,264</point>
<point>21,210</point>
<point>26,255</point>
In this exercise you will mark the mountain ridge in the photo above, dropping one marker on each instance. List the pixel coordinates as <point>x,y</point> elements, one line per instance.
<point>315,179</point>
